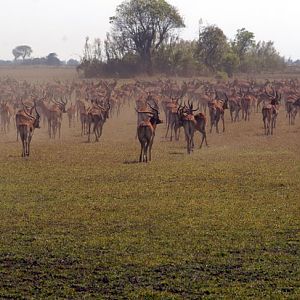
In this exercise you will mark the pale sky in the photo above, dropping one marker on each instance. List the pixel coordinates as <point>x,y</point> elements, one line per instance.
<point>61,25</point>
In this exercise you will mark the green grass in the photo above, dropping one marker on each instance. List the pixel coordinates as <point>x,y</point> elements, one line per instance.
<point>85,221</point>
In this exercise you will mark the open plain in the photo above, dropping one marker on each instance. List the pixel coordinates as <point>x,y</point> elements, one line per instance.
<point>85,220</point>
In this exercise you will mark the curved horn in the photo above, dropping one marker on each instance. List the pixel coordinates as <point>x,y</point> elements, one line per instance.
<point>226,97</point>
<point>269,95</point>
<point>196,108</point>
<point>153,108</point>
<point>28,107</point>
<point>30,116</point>
<point>274,92</point>
<point>37,114</point>
<point>62,100</point>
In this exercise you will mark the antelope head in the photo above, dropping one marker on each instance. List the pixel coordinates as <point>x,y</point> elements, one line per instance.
<point>155,116</point>
<point>190,108</point>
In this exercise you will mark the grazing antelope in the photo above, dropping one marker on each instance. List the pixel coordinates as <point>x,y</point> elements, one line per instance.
<point>26,122</point>
<point>146,133</point>
<point>270,112</point>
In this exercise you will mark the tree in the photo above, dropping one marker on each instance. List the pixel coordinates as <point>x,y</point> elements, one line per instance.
<point>52,59</point>
<point>230,62</point>
<point>243,42</point>
<point>142,26</point>
<point>212,45</point>
<point>177,58</point>
<point>262,57</point>
<point>73,62</point>
<point>22,51</point>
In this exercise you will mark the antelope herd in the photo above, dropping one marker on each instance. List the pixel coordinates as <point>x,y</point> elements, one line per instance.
<point>185,104</point>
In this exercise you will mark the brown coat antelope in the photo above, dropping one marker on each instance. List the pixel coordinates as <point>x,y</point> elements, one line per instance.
<point>146,133</point>
<point>26,122</point>
<point>270,112</point>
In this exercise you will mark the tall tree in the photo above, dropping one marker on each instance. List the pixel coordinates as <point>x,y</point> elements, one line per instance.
<point>243,42</point>
<point>212,45</point>
<point>22,51</point>
<point>141,26</point>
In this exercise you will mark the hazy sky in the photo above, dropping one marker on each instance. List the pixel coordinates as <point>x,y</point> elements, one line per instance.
<point>61,25</point>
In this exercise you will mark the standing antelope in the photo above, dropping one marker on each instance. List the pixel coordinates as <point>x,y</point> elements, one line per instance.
<point>97,116</point>
<point>99,112</point>
<point>26,122</point>
<point>146,133</point>
<point>291,110</point>
<point>234,106</point>
<point>246,102</point>
<point>71,112</point>
<point>6,113</point>
<point>173,121</point>
<point>188,122</point>
<point>216,112</point>
<point>200,126</point>
<point>270,112</point>
<point>53,113</point>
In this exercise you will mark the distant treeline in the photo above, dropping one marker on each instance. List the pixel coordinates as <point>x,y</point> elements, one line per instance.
<point>144,39</point>
<point>40,61</point>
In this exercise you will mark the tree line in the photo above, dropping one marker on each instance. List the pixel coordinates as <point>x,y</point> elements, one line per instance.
<point>22,55</point>
<point>144,39</point>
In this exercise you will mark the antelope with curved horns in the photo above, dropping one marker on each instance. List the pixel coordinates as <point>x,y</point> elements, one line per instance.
<point>97,115</point>
<point>26,122</point>
<point>188,121</point>
<point>146,133</point>
<point>270,112</point>
<point>53,114</point>
<point>216,112</point>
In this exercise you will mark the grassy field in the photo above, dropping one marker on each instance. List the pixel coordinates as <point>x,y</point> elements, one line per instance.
<point>85,221</point>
